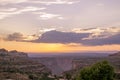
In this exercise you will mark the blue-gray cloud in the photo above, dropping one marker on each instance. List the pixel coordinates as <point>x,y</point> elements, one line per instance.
<point>61,37</point>
<point>72,37</point>
<point>114,39</point>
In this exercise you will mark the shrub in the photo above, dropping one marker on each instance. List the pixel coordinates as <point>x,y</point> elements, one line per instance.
<point>99,71</point>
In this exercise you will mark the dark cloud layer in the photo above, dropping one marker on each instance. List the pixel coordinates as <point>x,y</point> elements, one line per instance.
<point>61,37</point>
<point>114,39</point>
<point>70,37</point>
<point>67,37</point>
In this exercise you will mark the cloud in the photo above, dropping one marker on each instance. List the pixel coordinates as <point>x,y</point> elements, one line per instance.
<point>114,39</point>
<point>46,16</point>
<point>46,30</point>
<point>50,2</point>
<point>97,33</point>
<point>8,12</point>
<point>45,2</point>
<point>60,37</point>
<point>14,11</point>
<point>19,37</point>
<point>5,2</point>
<point>15,37</point>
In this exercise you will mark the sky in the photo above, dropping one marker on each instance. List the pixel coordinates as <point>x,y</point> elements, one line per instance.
<point>60,25</point>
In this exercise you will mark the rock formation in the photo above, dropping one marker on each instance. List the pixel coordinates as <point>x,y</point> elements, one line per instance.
<point>14,62</point>
<point>13,53</point>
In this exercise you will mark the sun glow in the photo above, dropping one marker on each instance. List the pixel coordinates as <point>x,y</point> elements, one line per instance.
<point>49,48</point>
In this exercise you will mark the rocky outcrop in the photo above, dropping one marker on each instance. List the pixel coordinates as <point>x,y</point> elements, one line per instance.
<point>18,63</point>
<point>17,54</point>
<point>22,66</point>
<point>3,52</point>
<point>13,53</point>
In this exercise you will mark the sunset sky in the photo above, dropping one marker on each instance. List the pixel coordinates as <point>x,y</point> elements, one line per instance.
<point>60,25</point>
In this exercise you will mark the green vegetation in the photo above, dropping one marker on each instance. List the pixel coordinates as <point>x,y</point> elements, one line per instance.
<point>99,71</point>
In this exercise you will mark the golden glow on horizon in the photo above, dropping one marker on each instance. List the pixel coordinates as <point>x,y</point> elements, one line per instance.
<point>45,47</point>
